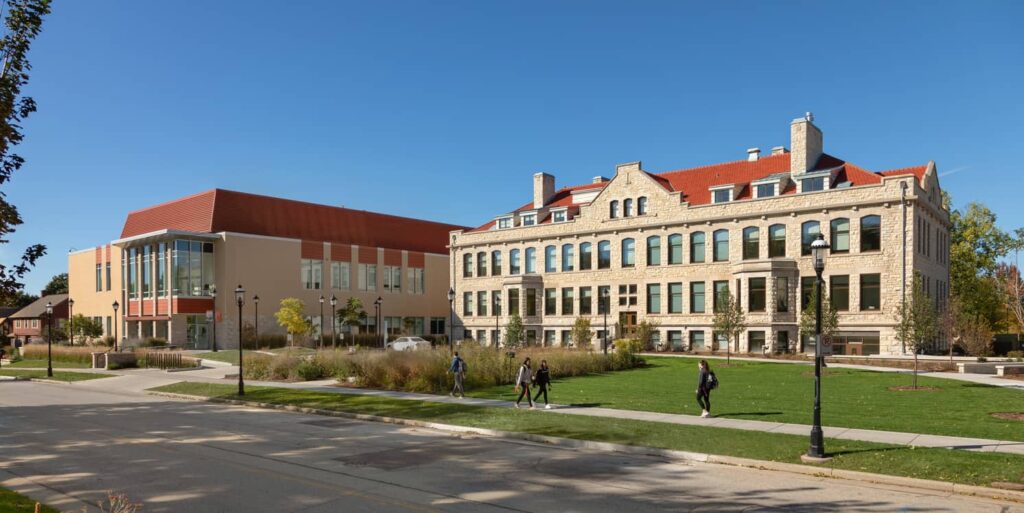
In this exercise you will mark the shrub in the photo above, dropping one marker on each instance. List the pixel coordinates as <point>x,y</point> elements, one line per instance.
<point>257,366</point>
<point>154,342</point>
<point>60,353</point>
<point>1016,355</point>
<point>271,341</point>
<point>310,370</point>
<point>626,351</point>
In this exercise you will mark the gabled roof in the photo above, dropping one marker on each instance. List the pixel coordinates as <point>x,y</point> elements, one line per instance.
<point>220,210</point>
<point>37,308</point>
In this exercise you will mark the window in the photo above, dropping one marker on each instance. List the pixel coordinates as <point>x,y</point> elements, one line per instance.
<point>654,298</point>
<point>627,208</point>
<point>721,253</point>
<point>840,234</point>
<point>721,195</point>
<point>549,259</point>
<point>756,295</point>
<point>496,302</point>
<point>513,261</point>
<point>529,219</point>
<point>812,184</point>
<point>870,233</point>
<point>604,255</point>
<point>675,249</point>
<point>567,257</point>
<point>807,286</point>
<point>839,292</point>
<point>870,292</point>
<point>531,337</point>
<point>133,283</point>
<point>764,190</point>
<point>808,233</point>
<point>567,300</point>
<point>641,206</point>
<point>495,263</point>
<point>586,301</point>
<point>481,264</point>
<point>417,281</point>
<point>751,243</point>
<point>628,253</point>
<point>654,250</point>
<point>696,340</point>
<point>549,337</point>
<point>721,296</point>
<point>613,209</point>
<point>777,241</point>
<point>586,256</point>
<point>513,301</point>
<point>467,304</point>
<point>161,270</point>
<point>558,216</point>
<point>531,260</point>
<point>312,273</point>
<point>481,303</point>
<point>781,294</point>
<point>531,302</point>
<point>108,276</point>
<point>504,223</point>
<point>467,265</point>
<point>755,341</point>
<point>675,298</point>
<point>697,297</point>
<point>367,276</point>
<point>697,247</point>
<point>550,301</point>
<point>603,299</point>
<point>99,277</point>
<point>437,326</point>
<point>341,275</point>
<point>627,295</point>
<point>393,278</point>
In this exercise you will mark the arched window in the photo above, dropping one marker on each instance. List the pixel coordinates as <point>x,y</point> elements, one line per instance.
<point>627,207</point>
<point>654,250</point>
<point>675,249</point>
<point>604,255</point>
<point>549,259</point>
<point>840,234</point>
<point>567,257</point>
<point>751,243</point>
<point>776,241</point>
<point>495,263</point>
<point>531,260</point>
<point>697,247</point>
<point>586,256</point>
<point>628,253</point>
<point>641,206</point>
<point>481,264</point>
<point>721,252</point>
<point>808,232</point>
<point>870,233</point>
<point>467,265</point>
<point>513,262</point>
<point>613,209</point>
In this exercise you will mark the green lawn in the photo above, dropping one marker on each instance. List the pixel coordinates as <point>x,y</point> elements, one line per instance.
<point>14,502</point>
<point>781,392</point>
<point>939,464</point>
<point>57,375</point>
<point>224,355</point>
<point>35,364</point>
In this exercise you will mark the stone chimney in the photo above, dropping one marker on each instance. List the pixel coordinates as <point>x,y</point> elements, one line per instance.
<point>753,154</point>
<point>778,150</point>
<point>806,144</point>
<point>543,189</point>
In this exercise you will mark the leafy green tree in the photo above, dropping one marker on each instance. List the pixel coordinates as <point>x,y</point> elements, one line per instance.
<point>84,329</point>
<point>829,316</point>
<point>917,322</point>
<point>58,285</point>
<point>514,331</point>
<point>581,334</point>
<point>976,245</point>
<point>351,314</point>
<point>729,321</point>
<point>292,317</point>
<point>24,21</point>
<point>18,299</point>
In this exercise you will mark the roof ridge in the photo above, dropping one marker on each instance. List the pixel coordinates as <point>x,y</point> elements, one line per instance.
<point>176,200</point>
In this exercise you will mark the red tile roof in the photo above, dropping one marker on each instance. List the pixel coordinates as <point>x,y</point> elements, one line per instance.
<point>221,210</point>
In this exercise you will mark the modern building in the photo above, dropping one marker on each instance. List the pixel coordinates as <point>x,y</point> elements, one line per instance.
<point>30,323</point>
<point>666,247</point>
<point>174,269</point>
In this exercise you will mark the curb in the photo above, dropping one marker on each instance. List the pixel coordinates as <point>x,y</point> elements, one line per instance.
<point>572,443</point>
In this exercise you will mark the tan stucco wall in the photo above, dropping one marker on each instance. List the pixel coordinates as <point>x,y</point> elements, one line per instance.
<point>82,285</point>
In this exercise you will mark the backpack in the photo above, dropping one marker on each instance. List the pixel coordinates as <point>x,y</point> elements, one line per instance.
<point>463,367</point>
<point>712,381</point>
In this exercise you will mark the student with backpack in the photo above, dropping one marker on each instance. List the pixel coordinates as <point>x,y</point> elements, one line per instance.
<point>543,381</point>
<point>523,382</point>
<point>706,382</point>
<point>458,369</point>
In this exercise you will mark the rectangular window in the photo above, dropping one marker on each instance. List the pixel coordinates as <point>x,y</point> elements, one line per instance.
<point>99,277</point>
<point>807,284</point>
<point>550,301</point>
<point>604,255</point>
<point>809,233</point>
<point>108,276</point>
<point>161,270</point>
<point>696,340</point>
<point>195,266</point>
<point>586,301</point>
<point>675,249</point>
<point>776,241</point>
<point>654,250</point>
<point>697,248</point>
<point>531,302</point>
<point>567,301</point>
<point>675,298</point>
<point>341,275</point>
<point>628,253</point>
<point>722,195</point>
<point>756,295</point>
<point>812,184</point>
<point>675,340</point>
<point>496,263</point>
<point>481,264</point>
<point>513,262</point>
<point>481,303</point>
<point>586,256</point>
<point>531,337</point>
<point>529,220</point>
<point>751,243</point>
<point>467,265</point>
<point>133,283</point>
<point>603,299</point>
<point>840,229</point>
<point>504,222</point>
<point>839,292</point>
<point>566,338</point>
<point>367,276</point>
<point>558,216</point>
<point>721,252</point>
<point>513,301</point>
<point>467,304</point>
<point>567,258</point>
<point>721,289</point>
<point>437,325</point>
<point>755,341</point>
<point>782,294</point>
<point>654,298</point>
<point>765,190</point>
<point>549,259</point>
<point>496,302</point>
<point>870,233</point>
<point>312,273</point>
<point>180,266</point>
<point>697,297</point>
<point>147,271</point>
<point>870,292</point>
<point>392,278</point>
<point>549,337</point>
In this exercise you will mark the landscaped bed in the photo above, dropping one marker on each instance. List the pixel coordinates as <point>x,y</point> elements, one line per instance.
<point>57,375</point>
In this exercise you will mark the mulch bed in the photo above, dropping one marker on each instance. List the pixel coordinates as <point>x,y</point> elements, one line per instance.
<point>1010,415</point>
<point>908,388</point>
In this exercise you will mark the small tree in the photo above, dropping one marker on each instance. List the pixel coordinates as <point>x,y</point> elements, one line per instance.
<point>58,285</point>
<point>292,318</point>
<point>645,332</point>
<point>84,328</point>
<point>352,313</point>
<point>829,316</point>
<point>729,321</point>
<point>581,334</point>
<point>975,336</point>
<point>514,331</point>
<point>917,324</point>
<point>1012,288</point>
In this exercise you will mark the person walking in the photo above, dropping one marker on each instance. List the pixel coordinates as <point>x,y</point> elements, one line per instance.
<point>705,382</point>
<point>523,382</point>
<point>543,381</point>
<point>458,370</point>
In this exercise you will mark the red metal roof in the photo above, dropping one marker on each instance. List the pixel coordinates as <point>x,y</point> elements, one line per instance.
<point>221,210</point>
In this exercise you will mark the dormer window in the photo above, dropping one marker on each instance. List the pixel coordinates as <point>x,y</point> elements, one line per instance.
<point>529,219</point>
<point>558,216</point>
<point>812,184</point>
<point>504,223</point>
<point>722,193</point>
<point>764,190</point>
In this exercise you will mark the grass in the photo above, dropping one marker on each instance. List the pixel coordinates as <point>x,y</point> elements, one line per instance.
<point>938,464</point>
<point>57,375</point>
<point>780,392</point>
<point>224,355</point>
<point>14,502</point>
<point>34,364</point>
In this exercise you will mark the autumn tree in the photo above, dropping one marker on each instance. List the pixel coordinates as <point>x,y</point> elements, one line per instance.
<point>581,334</point>
<point>292,317</point>
<point>729,321</point>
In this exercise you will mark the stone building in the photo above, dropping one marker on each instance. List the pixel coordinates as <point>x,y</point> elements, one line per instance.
<point>665,247</point>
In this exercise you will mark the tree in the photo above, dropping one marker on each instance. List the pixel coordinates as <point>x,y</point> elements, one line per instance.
<point>24,21</point>
<point>58,285</point>
<point>292,317</point>
<point>829,316</point>
<point>352,313</point>
<point>514,331</point>
<point>729,321</point>
<point>644,332</point>
<point>581,334</point>
<point>975,336</point>
<point>917,323</point>
<point>18,299</point>
<point>976,245</point>
<point>1011,286</point>
<point>84,328</point>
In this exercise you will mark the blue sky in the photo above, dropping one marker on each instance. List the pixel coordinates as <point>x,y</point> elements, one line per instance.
<point>444,110</point>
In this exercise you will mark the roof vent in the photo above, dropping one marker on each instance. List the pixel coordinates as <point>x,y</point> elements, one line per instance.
<point>778,150</point>
<point>753,154</point>
<point>599,179</point>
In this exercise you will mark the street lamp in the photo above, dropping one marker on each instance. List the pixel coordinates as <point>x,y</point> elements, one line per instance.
<point>497,311</point>
<point>817,450</point>
<point>213,294</point>
<point>256,320</point>
<point>321,344</point>
<point>376,316</point>
<point>334,322</point>
<point>71,321</point>
<point>604,302</point>
<point>115,305</point>
<point>451,319</point>
<point>49,340</point>
<point>240,299</point>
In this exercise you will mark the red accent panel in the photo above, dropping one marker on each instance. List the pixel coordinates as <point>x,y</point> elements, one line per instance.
<point>108,252</point>
<point>133,308</point>
<point>192,305</point>
<point>367,255</point>
<point>416,259</point>
<point>392,257</point>
<point>341,252</point>
<point>99,255</point>
<point>312,250</point>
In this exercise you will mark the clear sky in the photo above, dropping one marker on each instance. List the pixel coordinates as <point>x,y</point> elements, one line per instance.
<point>444,110</point>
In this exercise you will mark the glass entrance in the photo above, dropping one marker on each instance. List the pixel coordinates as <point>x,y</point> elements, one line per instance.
<point>197,332</point>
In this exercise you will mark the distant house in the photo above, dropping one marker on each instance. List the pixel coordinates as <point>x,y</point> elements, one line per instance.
<point>5,327</point>
<point>29,324</point>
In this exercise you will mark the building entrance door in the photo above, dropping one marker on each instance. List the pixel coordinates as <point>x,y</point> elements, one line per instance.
<point>197,332</point>
<point>627,322</point>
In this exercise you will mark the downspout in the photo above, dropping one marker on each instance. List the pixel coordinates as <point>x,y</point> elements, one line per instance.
<point>903,278</point>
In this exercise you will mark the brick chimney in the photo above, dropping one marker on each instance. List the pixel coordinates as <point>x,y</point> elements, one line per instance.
<point>806,144</point>
<point>543,189</point>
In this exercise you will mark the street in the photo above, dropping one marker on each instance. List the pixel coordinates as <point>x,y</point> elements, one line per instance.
<point>67,445</point>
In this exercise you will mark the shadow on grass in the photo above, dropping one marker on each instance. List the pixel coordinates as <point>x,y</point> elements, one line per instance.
<point>750,414</point>
<point>872,450</point>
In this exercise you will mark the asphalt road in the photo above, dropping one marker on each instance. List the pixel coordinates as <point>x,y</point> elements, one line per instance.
<point>67,445</point>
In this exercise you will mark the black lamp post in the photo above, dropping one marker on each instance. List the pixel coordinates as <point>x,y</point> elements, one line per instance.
<point>321,345</point>
<point>604,301</point>
<point>377,318</point>
<point>497,312</point>
<point>49,340</point>
<point>71,321</point>
<point>115,305</point>
<point>256,320</point>
<point>817,450</point>
<point>451,319</point>
<point>240,299</point>
<point>213,294</point>
<point>334,321</point>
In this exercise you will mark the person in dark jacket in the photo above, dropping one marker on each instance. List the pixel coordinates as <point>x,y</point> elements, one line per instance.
<point>704,388</point>
<point>523,380</point>
<point>458,370</point>
<point>543,382</point>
